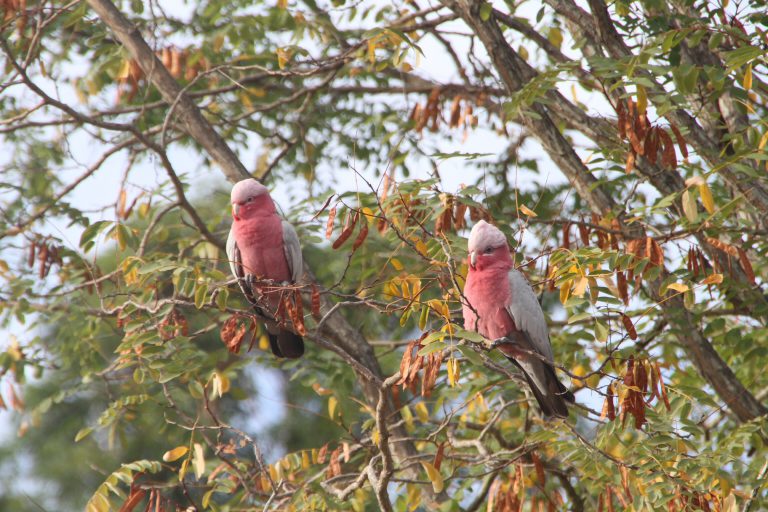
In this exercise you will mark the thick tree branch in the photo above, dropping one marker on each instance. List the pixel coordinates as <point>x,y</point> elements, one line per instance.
<point>193,120</point>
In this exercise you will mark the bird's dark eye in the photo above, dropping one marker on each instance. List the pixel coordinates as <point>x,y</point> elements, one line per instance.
<point>249,200</point>
<point>488,250</point>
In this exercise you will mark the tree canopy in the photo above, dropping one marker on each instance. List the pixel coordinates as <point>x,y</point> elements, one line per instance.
<point>620,146</point>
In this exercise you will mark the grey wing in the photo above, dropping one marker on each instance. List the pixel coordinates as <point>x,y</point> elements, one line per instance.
<point>233,255</point>
<point>527,313</point>
<point>292,248</point>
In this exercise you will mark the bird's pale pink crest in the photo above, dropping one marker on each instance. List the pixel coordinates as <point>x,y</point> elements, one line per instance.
<point>247,188</point>
<point>485,235</point>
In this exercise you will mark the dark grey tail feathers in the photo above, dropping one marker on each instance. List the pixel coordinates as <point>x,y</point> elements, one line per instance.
<point>553,403</point>
<point>286,344</point>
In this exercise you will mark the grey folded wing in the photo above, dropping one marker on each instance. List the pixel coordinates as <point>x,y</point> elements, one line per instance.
<point>292,248</point>
<point>528,315</point>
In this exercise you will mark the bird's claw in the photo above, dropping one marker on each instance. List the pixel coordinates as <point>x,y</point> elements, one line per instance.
<point>498,341</point>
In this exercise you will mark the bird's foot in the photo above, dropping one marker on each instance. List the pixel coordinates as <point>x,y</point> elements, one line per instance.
<point>499,341</point>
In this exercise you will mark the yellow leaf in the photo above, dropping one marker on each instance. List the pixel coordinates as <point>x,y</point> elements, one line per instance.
<point>689,206</point>
<point>263,342</point>
<point>183,469</point>
<point>523,51</point>
<point>434,476</point>
<point>396,264</point>
<point>282,4</point>
<point>706,198</point>
<point>527,211</point>
<point>678,287</point>
<point>421,247</point>
<point>304,459</point>
<point>218,42</point>
<point>713,279</point>
<point>747,83</point>
<point>368,213</point>
<point>332,404</point>
<point>694,181</point>
<point>555,36</point>
<point>175,454</point>
<point>763,141</point>
<point>581,286</point>
<point>642,100</point>
<point>422,412</point>
<point>207,498</point>
<point>453,372</point>
<point>375,437</point>
<point>198,461</point>
<point>282,57</point>
<point>565,291</point>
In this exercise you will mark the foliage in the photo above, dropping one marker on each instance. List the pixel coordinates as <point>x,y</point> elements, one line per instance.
<point>647,244</point>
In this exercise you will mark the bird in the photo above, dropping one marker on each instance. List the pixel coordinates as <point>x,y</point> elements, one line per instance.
<point>500,305</point>
<point>264,255</point>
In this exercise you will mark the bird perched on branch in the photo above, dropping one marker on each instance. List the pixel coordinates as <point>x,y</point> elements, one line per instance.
<point>265,255</point>
<point>501,305</point>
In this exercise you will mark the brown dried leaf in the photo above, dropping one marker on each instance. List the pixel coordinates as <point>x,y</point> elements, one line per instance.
<point>621,285</point>
<point>31,255</point>
<point>232,334</point>
<point>746,265</point>
<point>567,235</point>
<point>322,209</point>
<point>455,112</point>
<point>651,146</point>
<point>630,328</point>
<point>439,455</point>
<point>680,140</point>
<point>316,303</point>
<point>347,231</point>
<point>540,476</point>
<point>435,360</point>
<point>298,320</point>
<point>621,114</point>
<point>322,453</point>
<point>329,224</point>
<point>668,156</point>
<point>641,376</point>
<point>630,165</point>
<point>134,498</point>
<point>405,363</point>
<point>458,215</point>
<point>583,233</point>
<point>361,235</point>
<point>719,244</point>
<point>334,466</point>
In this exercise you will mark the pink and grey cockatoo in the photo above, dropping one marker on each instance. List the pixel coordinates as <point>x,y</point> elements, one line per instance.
<point>265,255</point>
<point>502,306</point>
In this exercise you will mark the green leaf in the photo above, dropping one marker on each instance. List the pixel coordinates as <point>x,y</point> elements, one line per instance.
<point>601,331</point>
<point>83,433</point>
<point>432,347</point>
<point>200,292</point>
<point>485,11</point>
<point>92,231</point>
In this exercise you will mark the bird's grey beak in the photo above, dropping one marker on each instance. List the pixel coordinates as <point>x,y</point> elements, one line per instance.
<point>473,259</point>
<point>236,210</point>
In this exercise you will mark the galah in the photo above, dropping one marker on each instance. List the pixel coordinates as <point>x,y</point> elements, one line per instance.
<point>265,255</point>
<point>501,305</point>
